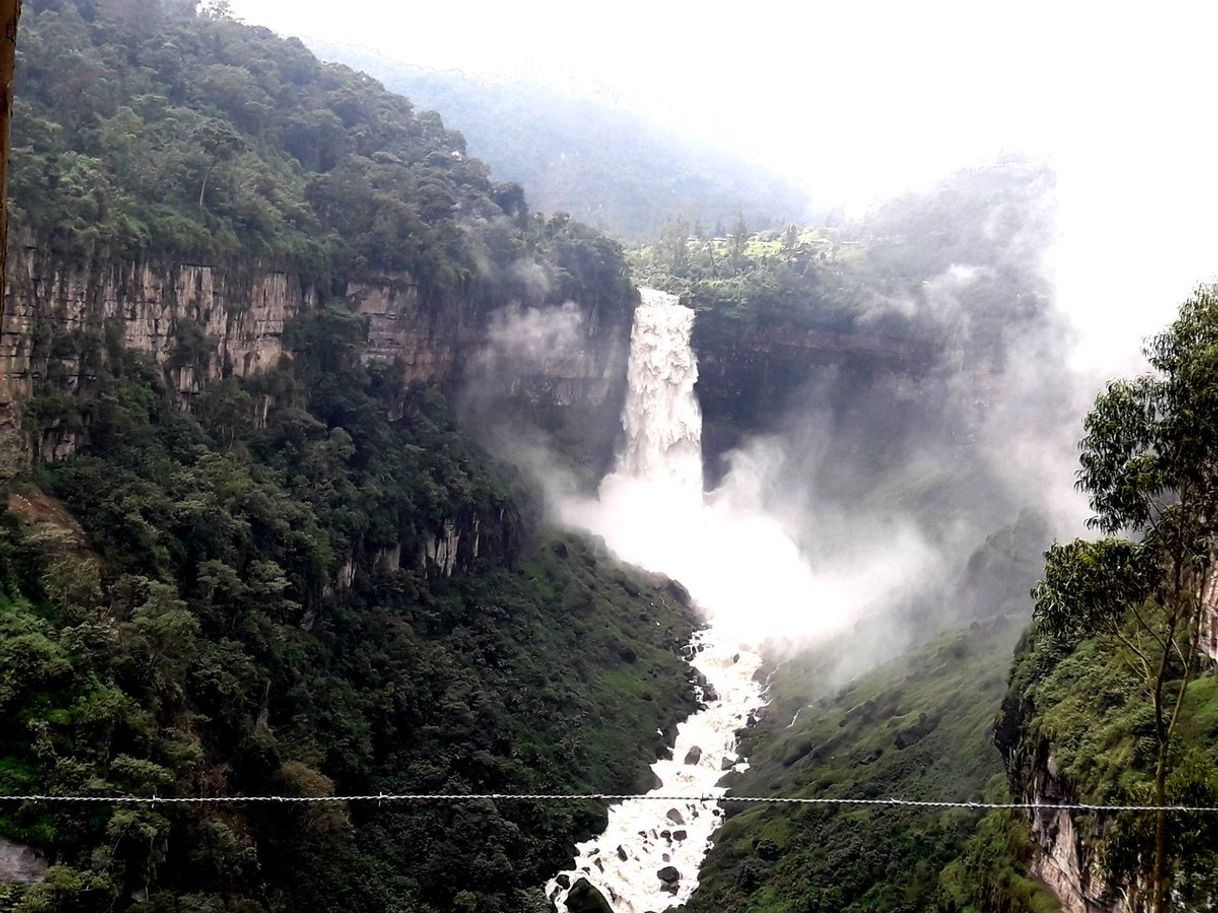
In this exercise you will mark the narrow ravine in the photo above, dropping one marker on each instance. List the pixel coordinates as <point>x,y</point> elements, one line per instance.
<point>650,853</point>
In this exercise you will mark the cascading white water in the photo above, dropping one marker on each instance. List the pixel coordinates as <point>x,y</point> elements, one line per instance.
<point>661,418</point>
<point>649,855</point>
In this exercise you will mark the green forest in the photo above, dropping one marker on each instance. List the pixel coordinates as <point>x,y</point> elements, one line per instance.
<point>201,604</point>
<point>142,129</point>
<point>189,636</point>
<point>237,592</point>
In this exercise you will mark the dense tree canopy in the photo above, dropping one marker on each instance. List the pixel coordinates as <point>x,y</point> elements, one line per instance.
<point>244,607</point>
<point>144,129</point>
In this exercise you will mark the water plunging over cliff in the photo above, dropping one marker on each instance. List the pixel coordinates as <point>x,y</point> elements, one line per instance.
<point>661,418</point>
<point>649,855</point>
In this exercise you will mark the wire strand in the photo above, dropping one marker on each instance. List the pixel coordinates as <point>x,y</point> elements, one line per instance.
<point>453,798</point>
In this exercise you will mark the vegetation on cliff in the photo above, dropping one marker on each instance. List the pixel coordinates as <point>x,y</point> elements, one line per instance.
<point>883,273</point>
<point>917,727</point>
<point>144,129</point>
<point>233,619</point>
<point>930,287</point>
<point>253,596</point>
<point>1123,618</point>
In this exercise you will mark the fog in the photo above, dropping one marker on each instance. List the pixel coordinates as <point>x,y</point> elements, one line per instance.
<point>863,100</point>
<point>895,500</point>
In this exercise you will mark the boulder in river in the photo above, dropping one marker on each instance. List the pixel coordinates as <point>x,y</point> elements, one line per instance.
<point>693,756</point>
<point>679,835</point>
<point>586,899</point>
<point>675,816</point>
<point>621,853</point>
<point>727,764</point>
<point>669,874</point>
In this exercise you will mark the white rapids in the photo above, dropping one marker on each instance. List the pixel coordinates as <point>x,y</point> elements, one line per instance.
<point>633,862</point>
<point>649,855</point>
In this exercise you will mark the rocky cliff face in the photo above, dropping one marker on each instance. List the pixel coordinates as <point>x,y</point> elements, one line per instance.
<point>196,321</point>
<point>750,373</point>
<point>1065,847</point>
<point>1209,617</point>
<point>201,322</point>
<point>62,319</point>
<point>20,863</point>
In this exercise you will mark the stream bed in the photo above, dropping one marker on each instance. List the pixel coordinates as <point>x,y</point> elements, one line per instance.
<point>650,853</point>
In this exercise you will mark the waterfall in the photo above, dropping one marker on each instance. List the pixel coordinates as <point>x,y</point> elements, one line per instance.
<point>661,418</point>
<point>649,855</point>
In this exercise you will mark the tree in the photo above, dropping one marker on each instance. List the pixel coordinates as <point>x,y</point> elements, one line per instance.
<point>675,242</point>
<point>220,143</point>
<point>790,238</point>
<point>739,239</point>
<point>1150,466</point>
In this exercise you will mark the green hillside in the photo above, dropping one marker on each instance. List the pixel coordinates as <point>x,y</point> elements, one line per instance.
<point>603,164</point>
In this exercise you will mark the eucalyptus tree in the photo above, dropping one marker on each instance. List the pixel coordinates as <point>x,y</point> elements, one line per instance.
<point>1150,466</point>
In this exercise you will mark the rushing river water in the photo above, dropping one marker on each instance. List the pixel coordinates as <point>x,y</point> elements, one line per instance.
<point>649,855</point>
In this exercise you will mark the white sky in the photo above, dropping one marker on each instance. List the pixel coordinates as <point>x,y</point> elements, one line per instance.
<point>863,99</point>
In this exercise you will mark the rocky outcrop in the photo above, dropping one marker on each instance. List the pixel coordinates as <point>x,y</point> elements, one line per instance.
<point>20,864</point>
<point>751,371</point>
<point>584,898</point>
<point>197,321</point>
<point>1064,856</point>
<point>440,551</point>
<point>1065,845</point>
<point>1209,617</point>
<point>62,318</point>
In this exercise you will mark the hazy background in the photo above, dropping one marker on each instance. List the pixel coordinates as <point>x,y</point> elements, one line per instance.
<point>862,100</point>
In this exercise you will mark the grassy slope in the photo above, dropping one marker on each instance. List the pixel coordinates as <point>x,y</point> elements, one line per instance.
<point>938,700</point>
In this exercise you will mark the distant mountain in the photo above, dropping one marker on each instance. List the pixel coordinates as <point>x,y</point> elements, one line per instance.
<point>605,166</point>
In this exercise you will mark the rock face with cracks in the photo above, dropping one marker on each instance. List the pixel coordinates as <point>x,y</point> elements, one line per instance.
<point>201,322</point>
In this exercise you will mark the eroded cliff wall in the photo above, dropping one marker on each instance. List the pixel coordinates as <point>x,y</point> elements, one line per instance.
<point>63,318</point>
<point>198,322</point>
<point>1209,617</point>
<point>203,322</point>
